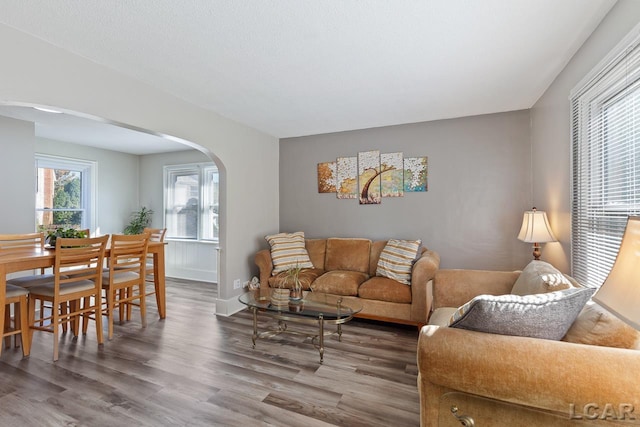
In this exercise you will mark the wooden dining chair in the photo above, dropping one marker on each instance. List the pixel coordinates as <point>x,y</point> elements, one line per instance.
<point>23,242</point>
<point>17,297</point>
<point>155,235</point>
<point>124,280</point>
<point>77,276</point>
<point>17,242</point>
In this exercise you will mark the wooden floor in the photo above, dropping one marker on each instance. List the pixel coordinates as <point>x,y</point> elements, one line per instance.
<point>198,369</point>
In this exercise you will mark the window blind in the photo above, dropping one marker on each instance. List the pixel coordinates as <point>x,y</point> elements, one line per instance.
<point>605,133</point>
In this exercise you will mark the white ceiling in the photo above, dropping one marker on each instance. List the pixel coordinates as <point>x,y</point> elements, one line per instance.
<point>301,67</point>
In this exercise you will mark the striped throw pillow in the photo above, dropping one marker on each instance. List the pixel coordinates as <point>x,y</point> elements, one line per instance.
<point>397,259</point>
<point>288,251</point>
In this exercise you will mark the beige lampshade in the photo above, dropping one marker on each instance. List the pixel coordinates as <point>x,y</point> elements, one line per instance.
<point>620,292</point>
<point>535,228</point>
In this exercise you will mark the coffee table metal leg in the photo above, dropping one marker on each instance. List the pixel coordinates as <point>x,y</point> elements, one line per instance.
<point>321,337</point>
<point>340,332</point>
<point>255,326</point>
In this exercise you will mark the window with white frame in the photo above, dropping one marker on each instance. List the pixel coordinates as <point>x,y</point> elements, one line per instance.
<point>64,193</point>
<point>606,160</point>
<point>191,201</point>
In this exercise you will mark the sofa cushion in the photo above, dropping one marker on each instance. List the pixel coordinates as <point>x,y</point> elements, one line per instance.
<point>385,289</point>
<point>347,254</point>
<point>376,249</point>
<point>548,315</point>
<point>597,326</point>
<point>316,249</point>
<point>397,258</point>
<point>539,277</point>
<point>287,251</point>
<point>339,282</point>
<point>306,276</point>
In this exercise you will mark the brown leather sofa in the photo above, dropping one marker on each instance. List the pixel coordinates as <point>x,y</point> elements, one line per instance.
<point>347,267</point>
<point>501,380</point>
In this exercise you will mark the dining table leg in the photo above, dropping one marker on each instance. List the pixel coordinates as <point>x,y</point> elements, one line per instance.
<point>159,281</point>
<point>3,300</point>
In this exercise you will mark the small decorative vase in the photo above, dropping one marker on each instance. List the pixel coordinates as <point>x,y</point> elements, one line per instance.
<point>295,294</point>
<point>296,306</point>
<point>279,296</point>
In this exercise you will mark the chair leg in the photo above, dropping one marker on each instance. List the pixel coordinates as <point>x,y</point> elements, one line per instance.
<point>63,311</point>
<point>25,336</point>
<point>31,318</point>
<point>86,314</point>
<point>110,308</point>
<point>143,305</point>
<point>7,325</point>
<point>74,320</point>
<point>55,324</point>
<point>98,318</point>
<point>129,306</point>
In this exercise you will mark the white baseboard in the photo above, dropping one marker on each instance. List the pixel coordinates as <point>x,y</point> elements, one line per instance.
<point>227,307</point>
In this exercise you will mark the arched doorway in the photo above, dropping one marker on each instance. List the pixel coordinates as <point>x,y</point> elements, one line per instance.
<point>154,149</point>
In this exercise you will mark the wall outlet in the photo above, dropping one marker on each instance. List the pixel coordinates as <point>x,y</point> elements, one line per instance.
<point>237,284</point>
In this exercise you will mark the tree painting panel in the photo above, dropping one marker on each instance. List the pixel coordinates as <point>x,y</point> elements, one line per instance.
<point>415,174</point>
<point>369,177</point>
<point>347,177</point>
<point>327,177</point>
<point>391,175</point>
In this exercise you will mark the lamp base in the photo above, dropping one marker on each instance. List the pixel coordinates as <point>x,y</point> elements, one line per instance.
<point>536,251</point>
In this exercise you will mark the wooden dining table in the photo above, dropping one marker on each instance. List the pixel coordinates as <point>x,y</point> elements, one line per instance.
<point>23,260</point>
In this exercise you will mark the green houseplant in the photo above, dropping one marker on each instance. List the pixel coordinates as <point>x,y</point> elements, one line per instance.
<point>73,233</point>
<point>138,221</point>
<point>293,278</point>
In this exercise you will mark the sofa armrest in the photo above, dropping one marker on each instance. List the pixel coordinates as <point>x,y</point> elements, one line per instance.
<point>264,263</point>
<point>554,376</point>
<point>422,273</point>
<point>453,288</point>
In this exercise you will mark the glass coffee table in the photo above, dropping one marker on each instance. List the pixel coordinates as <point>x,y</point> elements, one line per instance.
<point>315,308</point>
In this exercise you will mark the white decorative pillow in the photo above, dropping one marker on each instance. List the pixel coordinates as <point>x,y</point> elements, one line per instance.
<point>288,251</point>
<point>547,316</point>
<point>397,258</point>
<point>539,277</point>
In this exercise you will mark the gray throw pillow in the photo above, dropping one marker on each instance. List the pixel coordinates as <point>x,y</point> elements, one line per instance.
<point>548,315</point>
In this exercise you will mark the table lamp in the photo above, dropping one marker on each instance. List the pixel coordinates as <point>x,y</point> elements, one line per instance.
<point>536,229</point>
<point>620,292</point>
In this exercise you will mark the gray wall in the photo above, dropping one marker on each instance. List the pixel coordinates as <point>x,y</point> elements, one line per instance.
<point>117,181</point>
<point>479,187</point>
<point>17,191</point>
<point>551,144</point>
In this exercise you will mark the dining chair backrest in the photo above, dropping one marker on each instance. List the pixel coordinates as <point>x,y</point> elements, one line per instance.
<point>156,234</point>
<point>26,241</point>
<point>79,259</point>
<point>128,254</point>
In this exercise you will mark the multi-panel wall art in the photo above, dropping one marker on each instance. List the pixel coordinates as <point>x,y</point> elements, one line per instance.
<point>372,176</point>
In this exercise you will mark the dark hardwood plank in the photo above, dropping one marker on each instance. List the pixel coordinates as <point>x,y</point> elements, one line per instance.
<point>196,369</point>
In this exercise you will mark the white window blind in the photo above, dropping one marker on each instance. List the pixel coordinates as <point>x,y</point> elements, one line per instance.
<point>605,131</point>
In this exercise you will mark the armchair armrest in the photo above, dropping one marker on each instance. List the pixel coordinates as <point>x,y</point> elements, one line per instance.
<point>264,263</point>
<point>422,273</point>
<point>553,376</point>
<point>453,288</point>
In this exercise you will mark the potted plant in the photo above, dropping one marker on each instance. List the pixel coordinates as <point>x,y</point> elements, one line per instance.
<point>138,221</point>
<point>293,278</point>
<point>73,233</point>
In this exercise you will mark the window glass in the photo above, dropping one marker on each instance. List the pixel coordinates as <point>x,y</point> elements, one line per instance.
<point>191,202</point>
<point>62,193</point>
<point>605,124</point>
